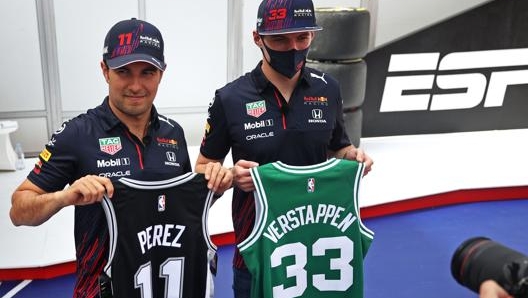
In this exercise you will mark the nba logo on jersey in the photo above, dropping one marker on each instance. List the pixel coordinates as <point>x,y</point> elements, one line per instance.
<point>161,203</point>
<point>311,185</point>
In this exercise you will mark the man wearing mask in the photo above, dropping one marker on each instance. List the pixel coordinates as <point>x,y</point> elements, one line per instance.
<point>280,111</point>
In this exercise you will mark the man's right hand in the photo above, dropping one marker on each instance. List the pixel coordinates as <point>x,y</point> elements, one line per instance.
<point>241,175</point>
<point>32,206</point>
<point>86,190</point>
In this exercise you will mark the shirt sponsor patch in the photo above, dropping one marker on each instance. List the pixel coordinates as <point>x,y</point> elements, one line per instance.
<point>256,108</point>
<point>317,115</point>
<point>260,136</point>
<point>60,129</point>
<point>45,154</point>
<point>167,143</point>
<point>316,100</point>
<point>171,159</point>
<point>115,174</point>
<point>258,124</point>
<point>110,145</point>
<point>38,167</point>
<point>115,162</point>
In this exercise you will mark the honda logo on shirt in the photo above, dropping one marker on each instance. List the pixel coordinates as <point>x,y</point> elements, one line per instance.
<point>171,156</point>
<point>317,114</point>
<point>317,117</point>
<point>171,159</point>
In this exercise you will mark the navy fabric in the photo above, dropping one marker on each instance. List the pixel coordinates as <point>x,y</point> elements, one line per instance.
<point>241,283</point>
<point>97,143</point>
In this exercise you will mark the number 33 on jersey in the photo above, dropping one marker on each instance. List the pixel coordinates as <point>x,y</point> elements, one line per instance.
<point>308,239</point>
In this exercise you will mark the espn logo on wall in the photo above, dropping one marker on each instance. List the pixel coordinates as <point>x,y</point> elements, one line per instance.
<point>468,72</point>
<point>431,92</point>
<point>461,72</point>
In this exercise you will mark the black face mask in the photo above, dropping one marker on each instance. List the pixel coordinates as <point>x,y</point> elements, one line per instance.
<point>287,63</point>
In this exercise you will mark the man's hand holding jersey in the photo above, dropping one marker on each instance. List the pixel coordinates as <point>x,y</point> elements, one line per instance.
<point>219,178</point>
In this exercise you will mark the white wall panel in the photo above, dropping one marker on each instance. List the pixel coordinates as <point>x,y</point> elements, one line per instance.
<point>21,81</point>
<point>398,18</point>
<point>193,125</point>
<point>195,35</point>
<point>337,3</point>
<point>81,28</point>
<point>31,133</point>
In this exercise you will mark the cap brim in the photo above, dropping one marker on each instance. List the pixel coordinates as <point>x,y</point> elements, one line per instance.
<point>127,59</point>
<point>291,30</point>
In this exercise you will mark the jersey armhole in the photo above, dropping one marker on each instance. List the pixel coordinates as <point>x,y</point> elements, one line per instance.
<point>365,232</point>
<point>261,212</point>
<point>205,221</point>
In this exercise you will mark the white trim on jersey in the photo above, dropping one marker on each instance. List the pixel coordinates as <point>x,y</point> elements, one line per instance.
<point>306,169</point>
<point>261,211</point>
<point>205,220</point>
<point>362,228</point>
<point>112,232</point>
<point>139,184</point>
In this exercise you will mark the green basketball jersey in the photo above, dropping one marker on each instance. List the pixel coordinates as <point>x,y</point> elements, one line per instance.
<point>308,239</point>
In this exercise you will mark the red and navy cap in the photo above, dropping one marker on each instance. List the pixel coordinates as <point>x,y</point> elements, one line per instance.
<point>131,41</point>
<point>286,16</point>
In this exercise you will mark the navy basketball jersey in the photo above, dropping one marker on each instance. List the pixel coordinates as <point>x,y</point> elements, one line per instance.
<point>308,239</point>
<point>159,242</point>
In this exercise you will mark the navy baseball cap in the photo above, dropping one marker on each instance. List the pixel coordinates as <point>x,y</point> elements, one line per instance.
<point>286,16</point>
<point>131,41</point>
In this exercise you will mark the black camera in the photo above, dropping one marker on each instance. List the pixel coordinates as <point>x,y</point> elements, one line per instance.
<point>478,259</point>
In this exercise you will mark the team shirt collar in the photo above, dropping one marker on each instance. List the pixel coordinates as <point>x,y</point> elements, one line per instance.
<point>110,121</point>
<point>261,82</point>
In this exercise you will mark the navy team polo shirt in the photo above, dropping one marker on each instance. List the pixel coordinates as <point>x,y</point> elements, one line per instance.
<point>252,117</point>
<point>97,143</point>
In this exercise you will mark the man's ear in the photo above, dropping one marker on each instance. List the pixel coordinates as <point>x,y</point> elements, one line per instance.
<point>105,69</point>
<point>257,39</point>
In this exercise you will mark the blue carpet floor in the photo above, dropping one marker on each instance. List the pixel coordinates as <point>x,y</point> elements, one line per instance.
<point>410,255</point>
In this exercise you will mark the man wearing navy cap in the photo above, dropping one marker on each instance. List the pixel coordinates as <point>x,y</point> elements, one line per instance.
<point>280,111</point>
<point>123,137</point>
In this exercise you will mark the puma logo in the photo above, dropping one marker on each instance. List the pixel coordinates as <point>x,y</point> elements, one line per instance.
<point>313,75</point>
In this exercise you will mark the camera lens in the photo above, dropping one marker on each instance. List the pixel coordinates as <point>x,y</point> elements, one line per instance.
<point>478,259</point>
